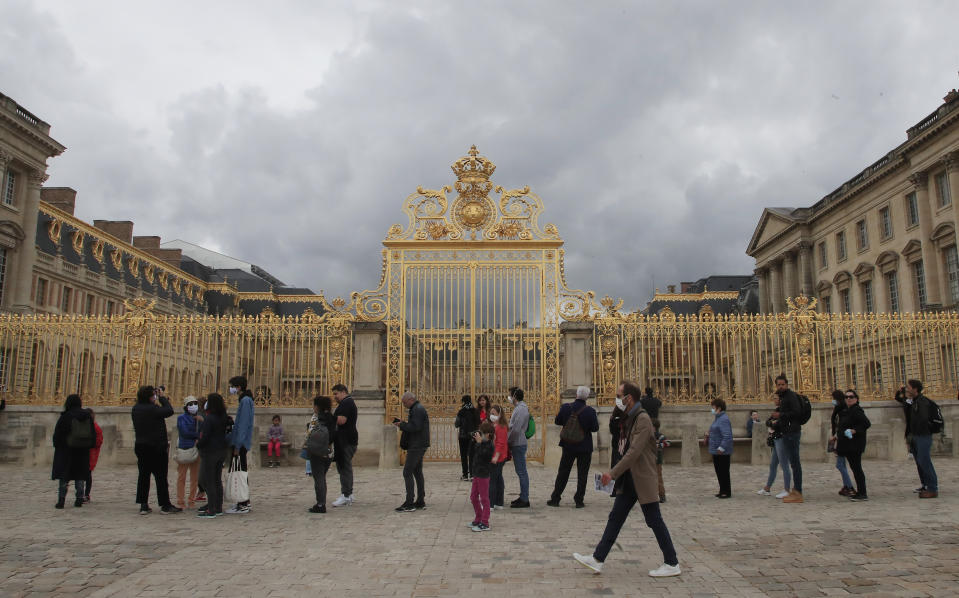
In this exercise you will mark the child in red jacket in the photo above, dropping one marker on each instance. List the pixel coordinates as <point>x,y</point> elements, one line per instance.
<point>94,455</point>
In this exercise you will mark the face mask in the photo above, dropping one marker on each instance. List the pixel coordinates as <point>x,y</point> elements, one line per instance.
<point>620,403</point>
<point>204,406</point>
<point>192,409</point>
<point>494,418</point>
<point>712,410</point>
<point>908,401</point>
<point>835,402</point>
<point>510,399</point>
<point>233,390</point>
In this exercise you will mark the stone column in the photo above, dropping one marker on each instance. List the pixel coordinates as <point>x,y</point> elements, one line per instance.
<point>789,276</point>
<point>952,168</point>
<point>27,252</point>
<point>930,261</point>
<point>762,274</point>
<point>806,269</point>
<point>776,301</point>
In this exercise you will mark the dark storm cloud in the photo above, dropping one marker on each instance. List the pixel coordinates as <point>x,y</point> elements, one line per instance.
<point>654,134</point>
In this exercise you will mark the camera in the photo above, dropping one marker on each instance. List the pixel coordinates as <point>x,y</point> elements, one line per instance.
<point>396,420</point>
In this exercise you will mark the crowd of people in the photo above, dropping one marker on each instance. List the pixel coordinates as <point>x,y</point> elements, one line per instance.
<point>207,436</point>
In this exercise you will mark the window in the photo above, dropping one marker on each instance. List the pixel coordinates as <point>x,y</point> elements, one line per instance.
<point>942,189</point>
<point>952,274</point>
<point>825,303</point>
<point>912,210</point>
<point>10,188</point>
<point>110,307</point>
<point>885,223</point>
<point>41,292</point>
<point>900,363</point>
<point>67,299</point>
<point>841,245</point>
<point>919,280</point>
<point>90,303</point>
<point>867,302</point>
<point>823,258</point>
<point>844,299</point>
<point>892,287</point>
<point>862,235</point>
<point>3,270</point>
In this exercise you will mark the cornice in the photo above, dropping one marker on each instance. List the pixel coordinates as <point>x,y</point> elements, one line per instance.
<point>273,297</point>
<point>125,248</point>
<point>705,295</point>
<point>53,147</point>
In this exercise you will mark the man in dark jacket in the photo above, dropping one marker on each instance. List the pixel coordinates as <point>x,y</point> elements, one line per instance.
<point>650,404</point>
<point>152,447</point>
<point>417,439</point>
<point>919,436</point>
<point>467,422</point>
<point>581,452</point>
<point>790,420</point>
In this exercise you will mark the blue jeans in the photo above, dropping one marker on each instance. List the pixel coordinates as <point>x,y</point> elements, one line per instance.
<point>496,489</point>
<point>791,444</point>
<point>779,460</point>
<point>519,464</point>
<point>841,466</point>
<point>922,446</point>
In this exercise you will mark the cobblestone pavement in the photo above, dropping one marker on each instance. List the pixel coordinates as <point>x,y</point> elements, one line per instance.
<point>893,545</point>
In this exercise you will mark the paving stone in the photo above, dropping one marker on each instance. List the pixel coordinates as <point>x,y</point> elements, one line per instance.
<point>748,546</point>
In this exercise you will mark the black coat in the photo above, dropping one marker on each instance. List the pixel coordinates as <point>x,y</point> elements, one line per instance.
<point>467,420</point>
<point>149,426</point>
<point>587,421</point>
<point>212,435</point>
<point>616,418</point>
<point>417,428</point>
<point>482,459</point>
<point>69,463</point>
<point>852,418</point>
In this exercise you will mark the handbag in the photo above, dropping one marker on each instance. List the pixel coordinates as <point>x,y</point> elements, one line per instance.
<point>831,446</point>
<point>185,456</point>
<point>237,487</point>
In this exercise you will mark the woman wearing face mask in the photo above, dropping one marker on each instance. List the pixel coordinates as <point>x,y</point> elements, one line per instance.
<point>851,442</point>
<point>721,446</point>
<point>188,430</point>
<point>838,407</point>
<point>500,450</point>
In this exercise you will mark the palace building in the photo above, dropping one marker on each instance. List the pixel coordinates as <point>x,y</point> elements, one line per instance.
<point>52,262</point>
<point>884,241</point>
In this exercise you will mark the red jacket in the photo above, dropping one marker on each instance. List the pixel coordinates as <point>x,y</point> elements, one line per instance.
<point>95,451</point>
<point>499,442</point>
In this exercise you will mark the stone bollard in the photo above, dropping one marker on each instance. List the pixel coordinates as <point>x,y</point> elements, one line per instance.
<point>759,451</point>
<point>552,451</point>
<point>690,449</point>
<point>389,449</point>
<point>955,437</point>
<point>898,450</point>
<point>253,455</point>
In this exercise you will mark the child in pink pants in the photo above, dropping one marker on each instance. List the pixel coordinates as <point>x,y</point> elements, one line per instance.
<point>274,441</point>
<point>482,467</point>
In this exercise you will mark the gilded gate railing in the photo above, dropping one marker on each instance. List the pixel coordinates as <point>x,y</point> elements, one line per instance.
<point>287,361</point>
<point>692,358</point>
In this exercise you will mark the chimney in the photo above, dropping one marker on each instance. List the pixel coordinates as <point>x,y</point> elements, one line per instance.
<point>62,198</point>
<point>171,257</point>
<point>671,288</point>
<point>146,242</point>
<point>121,229</point>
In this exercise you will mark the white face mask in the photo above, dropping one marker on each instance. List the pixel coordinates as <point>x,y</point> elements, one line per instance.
<point>835,402</point>
<point>620,404</point>
<point>908,401</point>
<point>494,418</point>
<point>712,410</point>
<point>192,409</point>
<point>205,405</point>
<point>233,390</point>
<point>510,399</point>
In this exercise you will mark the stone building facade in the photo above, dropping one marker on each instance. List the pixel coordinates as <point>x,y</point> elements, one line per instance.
<point>885,241</point>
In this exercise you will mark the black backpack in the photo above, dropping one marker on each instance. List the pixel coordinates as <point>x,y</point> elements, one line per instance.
<point>81,434</point>
<point>936,423</point>
<point>318,443</point>
<point>805,409</point>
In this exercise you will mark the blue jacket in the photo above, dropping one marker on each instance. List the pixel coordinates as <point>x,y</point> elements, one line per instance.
<point>721,435</point>
<point>587,420</point>
<point>188,431</point>
<point>243,424</point>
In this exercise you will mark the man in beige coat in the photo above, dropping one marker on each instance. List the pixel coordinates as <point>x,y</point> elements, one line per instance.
<point>636,481</point>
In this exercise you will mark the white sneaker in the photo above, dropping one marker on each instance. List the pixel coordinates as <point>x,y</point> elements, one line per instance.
<point>588,561</point>
<point>233,510</point>
<point>342,500</point>
<point>351,499</point>
<point>763,492</point>
<point>783,494</point>
<point>665,571</point>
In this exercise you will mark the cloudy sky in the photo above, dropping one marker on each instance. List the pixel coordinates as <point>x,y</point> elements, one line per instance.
<point>288,134</point>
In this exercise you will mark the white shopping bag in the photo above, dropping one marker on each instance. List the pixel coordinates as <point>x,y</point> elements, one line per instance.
<point>237,487</point>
